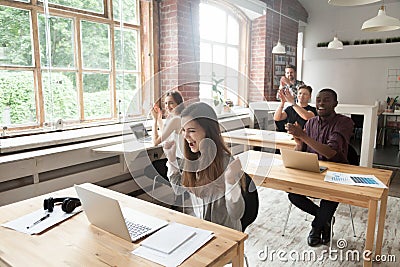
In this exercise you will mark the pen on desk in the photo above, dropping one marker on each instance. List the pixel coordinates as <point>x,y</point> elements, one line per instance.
<point>38,221</point>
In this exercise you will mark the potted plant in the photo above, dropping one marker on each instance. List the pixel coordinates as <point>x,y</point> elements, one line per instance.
<point>217,93</point>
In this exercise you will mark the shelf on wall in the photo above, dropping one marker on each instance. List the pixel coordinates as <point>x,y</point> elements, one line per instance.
<point>353,51</point>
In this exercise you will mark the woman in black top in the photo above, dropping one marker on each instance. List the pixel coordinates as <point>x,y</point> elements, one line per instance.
<point>298,112</point>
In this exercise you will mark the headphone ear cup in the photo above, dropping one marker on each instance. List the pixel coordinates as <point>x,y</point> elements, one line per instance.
<point>48,204</point>
<point>69,204</point>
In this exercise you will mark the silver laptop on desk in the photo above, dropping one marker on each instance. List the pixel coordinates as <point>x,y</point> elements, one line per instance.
<point>140,132</point>
<point>106,213</point>
<point>301,161</point>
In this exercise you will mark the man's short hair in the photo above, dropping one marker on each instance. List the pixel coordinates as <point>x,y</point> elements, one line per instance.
<point>305,87</point>
<point>328,90</point>
<point>289,66</point>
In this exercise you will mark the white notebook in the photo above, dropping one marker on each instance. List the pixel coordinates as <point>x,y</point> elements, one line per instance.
<point>168,238</point>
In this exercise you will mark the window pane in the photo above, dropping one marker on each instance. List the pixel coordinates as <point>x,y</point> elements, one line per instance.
<point>61,38</point>
<point>15,37</point>
<point>233,31</point>
<point>219,54</point>
<point>127,61</point>
<point>128,11</point>
<point>89,5</point>
<point>17,101</point>
<point>205,88</point>
<point>232,59</point>
<point>232,84</point>
<point>212,23</point>
<point>95,45</point>
<point>96,96</point>
<point>127,91</point>
<point>205,52</point>
<point>60,96</point>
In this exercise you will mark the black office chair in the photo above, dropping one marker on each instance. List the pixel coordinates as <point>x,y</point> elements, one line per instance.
<point>251,203</point>
<point>353,159</point>
<point>358,125</point>
<point>158,172</point>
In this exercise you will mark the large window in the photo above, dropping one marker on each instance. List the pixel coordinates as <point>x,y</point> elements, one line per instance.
<point>69,59</point>
<point>220,45</point>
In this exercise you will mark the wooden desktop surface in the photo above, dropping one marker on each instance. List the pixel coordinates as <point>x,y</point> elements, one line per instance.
<point>313,185</point>
<point>77,243</point>
<point>261,138</point>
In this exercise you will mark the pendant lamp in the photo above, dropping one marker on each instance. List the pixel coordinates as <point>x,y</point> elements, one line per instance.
<point>279,48</point>
<point>335,44</point>
<point>351,2</point>
<point>381,23</point>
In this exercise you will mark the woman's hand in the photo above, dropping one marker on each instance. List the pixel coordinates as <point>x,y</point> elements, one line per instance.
<point>169,148</point>
<point>282,95</point>
<point>233,172</point>
<point>156,112</point>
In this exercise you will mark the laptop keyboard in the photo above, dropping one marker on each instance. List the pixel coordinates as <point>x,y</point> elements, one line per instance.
<point>136,230</point>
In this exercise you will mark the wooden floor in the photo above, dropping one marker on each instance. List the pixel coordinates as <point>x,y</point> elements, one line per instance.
<point>266,233</point>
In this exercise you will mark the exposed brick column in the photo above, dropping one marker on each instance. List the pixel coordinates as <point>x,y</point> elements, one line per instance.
<point>257,59</point>
<point>179,44</point>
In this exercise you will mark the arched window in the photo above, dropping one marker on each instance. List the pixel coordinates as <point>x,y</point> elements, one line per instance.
<point>223,42</point>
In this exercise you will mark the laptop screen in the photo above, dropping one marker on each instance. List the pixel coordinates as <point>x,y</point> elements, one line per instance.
<point>139,131</point>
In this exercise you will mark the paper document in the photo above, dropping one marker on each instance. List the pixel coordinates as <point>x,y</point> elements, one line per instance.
<point>353,179</point>
<point>195,238</point>
<point>38,221</point>
<point>168,238</point>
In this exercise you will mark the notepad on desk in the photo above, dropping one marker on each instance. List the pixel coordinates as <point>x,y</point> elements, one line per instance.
<point>185,240</point>
<point>168,238</point>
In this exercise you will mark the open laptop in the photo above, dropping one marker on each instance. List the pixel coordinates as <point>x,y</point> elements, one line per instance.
<point>301,160</point>
<point>140,132</point>
<point>106,213</point>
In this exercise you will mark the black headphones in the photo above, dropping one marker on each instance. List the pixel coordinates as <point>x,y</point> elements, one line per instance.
<point>68,203</point>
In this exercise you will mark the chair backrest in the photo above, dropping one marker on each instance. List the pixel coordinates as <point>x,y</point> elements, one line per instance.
<point>352,156</point>
<point>250,196</point>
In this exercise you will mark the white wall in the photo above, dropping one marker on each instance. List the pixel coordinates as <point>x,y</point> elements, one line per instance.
<point>358,74</point>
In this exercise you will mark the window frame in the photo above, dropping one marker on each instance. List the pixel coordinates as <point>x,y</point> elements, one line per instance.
<point>243,46</point>
<point>144,20</point>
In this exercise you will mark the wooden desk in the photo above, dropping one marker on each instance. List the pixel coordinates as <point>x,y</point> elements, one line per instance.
<point>313,185</point>
<point>77,243</point>
<point>261,138</point>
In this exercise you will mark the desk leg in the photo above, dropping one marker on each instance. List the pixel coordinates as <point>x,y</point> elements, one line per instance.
<point>369,241</point>
<point>381,222</point>
<point>238,261</point>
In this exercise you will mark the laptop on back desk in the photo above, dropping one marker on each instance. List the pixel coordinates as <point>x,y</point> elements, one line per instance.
<point>140,132</point>
<point>301,160</point>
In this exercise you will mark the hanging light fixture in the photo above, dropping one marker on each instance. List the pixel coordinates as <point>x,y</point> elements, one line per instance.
<point>335,44</point>
<point>381,23</point>
<point>351,2</point>
<point>279,48</point>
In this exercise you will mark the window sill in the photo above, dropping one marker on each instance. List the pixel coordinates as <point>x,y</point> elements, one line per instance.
<point>66,137</point>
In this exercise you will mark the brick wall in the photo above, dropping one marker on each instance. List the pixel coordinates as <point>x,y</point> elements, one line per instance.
<point>264,36</point>
<point>179,44</point>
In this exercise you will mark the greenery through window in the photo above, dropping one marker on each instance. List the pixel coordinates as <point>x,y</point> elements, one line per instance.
<point>219,44</point>
<point>76,63</point>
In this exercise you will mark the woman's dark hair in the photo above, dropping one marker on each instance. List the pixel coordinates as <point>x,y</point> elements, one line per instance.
<point>206,117</point>
<point>176,95</point>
